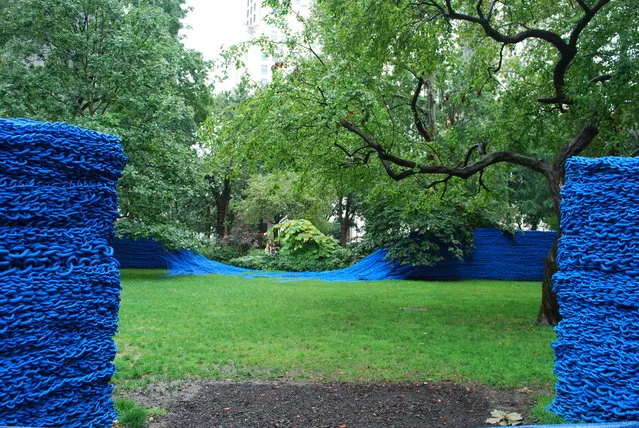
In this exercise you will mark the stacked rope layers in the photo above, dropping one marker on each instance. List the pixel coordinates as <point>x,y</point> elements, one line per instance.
<point>597,286</point>
<point>371,268</point>
<point>497,255</point>
<point>59,284</point>
<point>139,253</point>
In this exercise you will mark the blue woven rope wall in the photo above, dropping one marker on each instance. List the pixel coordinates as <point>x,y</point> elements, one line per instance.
<point>59,284</point>
<point>139,253</point>
<point>496,255</point>
<point>597,286</point>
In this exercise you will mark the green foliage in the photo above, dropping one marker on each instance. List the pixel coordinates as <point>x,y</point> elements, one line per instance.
<point>173,237</point>
<point>275,196</point>
<point>300,237</point>
<point>304,262</point>
<point>528,192</point>
<point>481,97</point>
<point>424,228</point>
<point>177,237</point>
<point>130,413</point>
<point>117,67</point>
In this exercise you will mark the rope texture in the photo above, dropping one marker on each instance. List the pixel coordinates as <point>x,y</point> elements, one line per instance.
<point>597,286</point>
<point>59,282</point>
<point>497,255</point>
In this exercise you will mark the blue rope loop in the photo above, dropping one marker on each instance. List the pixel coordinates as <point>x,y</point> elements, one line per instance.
<point>597,287</point>
<point>59,281</point>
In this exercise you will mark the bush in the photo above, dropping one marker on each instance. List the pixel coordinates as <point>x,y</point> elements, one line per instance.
<point>221,253</point>
<point>296,237</point>
<point>172,236</point>
<point>175,237</point>
<point>340,258</point>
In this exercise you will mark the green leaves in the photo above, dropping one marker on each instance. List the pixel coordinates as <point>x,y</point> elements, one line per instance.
<point>116,67</point>
<point>300,237</point>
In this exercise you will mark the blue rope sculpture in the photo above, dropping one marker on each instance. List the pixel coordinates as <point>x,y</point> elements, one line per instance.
<point>597,286</point>
<point>497,255</point>
<point>139,253</point>
<point>59,284</point>
<point>371,268</point>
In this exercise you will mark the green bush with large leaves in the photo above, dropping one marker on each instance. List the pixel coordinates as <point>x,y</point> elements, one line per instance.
<point>300,237</point>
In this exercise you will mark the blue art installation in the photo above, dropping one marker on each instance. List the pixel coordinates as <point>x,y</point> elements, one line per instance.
<point>374,267</point>
<point>59,282</point>
<point>597,287</point>
<point>140,253</point>
<point>497,255</point>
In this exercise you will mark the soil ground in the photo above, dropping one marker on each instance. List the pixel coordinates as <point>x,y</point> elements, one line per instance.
<point>206,404</point>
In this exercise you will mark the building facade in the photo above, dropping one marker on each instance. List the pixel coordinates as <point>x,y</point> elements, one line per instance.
<point>259,64</point>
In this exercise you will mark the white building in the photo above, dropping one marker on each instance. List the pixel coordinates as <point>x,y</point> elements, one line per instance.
<point>259,64</point>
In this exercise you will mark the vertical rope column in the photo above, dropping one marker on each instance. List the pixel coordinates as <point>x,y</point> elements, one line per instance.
<point>597,286</point>
<point>59,284</point>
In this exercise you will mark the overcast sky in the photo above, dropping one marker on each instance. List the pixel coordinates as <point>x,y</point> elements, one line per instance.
<point>213,23</point>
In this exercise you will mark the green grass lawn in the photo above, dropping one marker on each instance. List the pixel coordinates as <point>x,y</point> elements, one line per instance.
<point>222,327</point>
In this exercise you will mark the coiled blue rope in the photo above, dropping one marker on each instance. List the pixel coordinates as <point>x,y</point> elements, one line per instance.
<point>59,282</point>
<point>597,286</point>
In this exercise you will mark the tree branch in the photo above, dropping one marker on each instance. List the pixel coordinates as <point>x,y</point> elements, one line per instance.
<point>409,168</point>
<point>567,50</point>
<point>601,78</point>
<point>587,134</point>
<point>427,135</point>
<point>583,5</point>
<point>576,32</point>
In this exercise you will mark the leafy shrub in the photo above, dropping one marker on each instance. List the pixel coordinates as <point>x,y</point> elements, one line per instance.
<point>175,237</point>
<point>423,228</point>
<point>241,238</point>
<point>172,236</point>
<point>221,253</point>
<point>340,258</point>
<point>296,237</point>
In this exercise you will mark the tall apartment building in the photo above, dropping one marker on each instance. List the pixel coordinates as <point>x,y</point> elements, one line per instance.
<point>258,64</point>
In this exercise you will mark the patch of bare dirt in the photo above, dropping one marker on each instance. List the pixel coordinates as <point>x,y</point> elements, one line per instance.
<point>352,405</point>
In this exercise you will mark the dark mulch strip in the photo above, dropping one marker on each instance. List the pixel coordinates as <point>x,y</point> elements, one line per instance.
<point>288,404</point>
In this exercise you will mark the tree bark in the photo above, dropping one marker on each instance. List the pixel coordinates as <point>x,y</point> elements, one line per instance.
<point>222,200</point>
<point>549,308</point>
<point>343,234</point>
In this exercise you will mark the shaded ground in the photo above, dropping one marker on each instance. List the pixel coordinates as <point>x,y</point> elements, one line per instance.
<point>351,405</point>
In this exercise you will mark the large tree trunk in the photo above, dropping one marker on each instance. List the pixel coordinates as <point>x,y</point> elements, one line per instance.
<point>222,200</point>
<point>549,309</point>
<point>344,220</point>
<point>343,233</point>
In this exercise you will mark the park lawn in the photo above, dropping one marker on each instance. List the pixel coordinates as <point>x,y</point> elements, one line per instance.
<point>224,327</point>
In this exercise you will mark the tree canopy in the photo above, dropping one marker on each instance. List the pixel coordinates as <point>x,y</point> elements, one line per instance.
<point>446,89</point>
<point>118,67</point>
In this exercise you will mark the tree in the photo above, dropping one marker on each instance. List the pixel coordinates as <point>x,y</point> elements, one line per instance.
<point>220,139</point>
<point>276,196</point>
<point>118,67</point>
<point>528,85</point>
<point>345,210</point>
<point>424,228</point>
